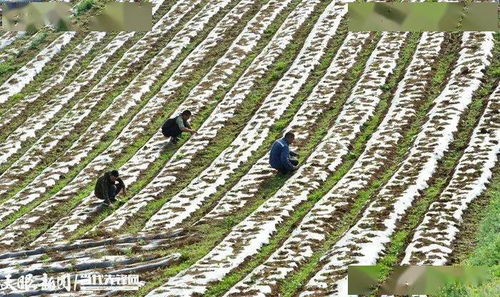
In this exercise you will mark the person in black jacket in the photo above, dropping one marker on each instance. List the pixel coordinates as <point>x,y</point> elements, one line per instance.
<point>108,186</point>
<point>175,126</point>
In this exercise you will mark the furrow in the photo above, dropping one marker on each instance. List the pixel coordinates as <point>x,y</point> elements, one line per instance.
<point>130,97</point>
<point>80,51</point>
<point>24,105</point>
<point>433,238</point>
<point>17,50</point>
<point>28,130</point>
<point>151,150</point>
<point>181,206</point>
<point>321,99</point>
<point>317,224</point>
<point>84,106</point>
<point>248,236</point>
<point>26,74</point>
<point>10,37</point>
<point>363,243</point>
<point>223,112</point>
<point>16,139</point>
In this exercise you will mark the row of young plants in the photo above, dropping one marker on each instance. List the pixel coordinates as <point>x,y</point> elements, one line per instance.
<point>446,63</point>
<point>9,37</point>
<point>151,130</point>
<point>274,73</point>
<point>82,106</point>
<point>48,83</point>
<point>327,213</point>
<point>155,111</point>
<point>50,69</point>
<point>245,239</point>
<point>99,97</point>
<point>14,141</point>
<point>361,195</point>
<point>23,50</point>
<point>401,239</point>
<point>29,100</point>
<point>19,47</point>
<point>379,220</point>
<point>107,100</point>
<point>186,202</point>
<point>271,74</point>
<point>250,105</point>
<point>312,115</point>
<point>206,236</point>
<point>24,75</point>
<point>284,230</point>
<point>133,170</point>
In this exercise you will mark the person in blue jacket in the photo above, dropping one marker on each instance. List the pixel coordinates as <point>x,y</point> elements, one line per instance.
<point>279,158</point>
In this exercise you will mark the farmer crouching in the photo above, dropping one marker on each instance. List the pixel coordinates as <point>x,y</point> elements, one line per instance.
<point>108,186</point>
<point>281,158</point>
<point>175,126</point>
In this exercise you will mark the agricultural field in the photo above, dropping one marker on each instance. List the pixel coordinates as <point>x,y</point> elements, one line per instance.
<point>398,137</point>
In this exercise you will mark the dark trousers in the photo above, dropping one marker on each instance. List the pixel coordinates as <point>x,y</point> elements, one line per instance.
<point>114,190</point>
<point>173,132</point>
<point>286,171</point>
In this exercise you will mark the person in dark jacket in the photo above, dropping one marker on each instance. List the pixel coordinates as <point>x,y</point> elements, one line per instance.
<point>108,186</point>
<point>175,126</point>
<point>280,156</point>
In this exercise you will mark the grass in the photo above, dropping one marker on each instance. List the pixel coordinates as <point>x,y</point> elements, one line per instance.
<point>488,240</point>
<point>479,239</point>
<point>6,67</point>
<point>482,247</point>
<point>290,285</point>
<point>84,10</point>
<point>478,243</point>
<point>236,124</point>
<point>46,73</point>
<point>100,107</point>
<point>83,6</point>
<point>210,232</point>
<point>446,165</point>
<point>26,48</point>
<point>132,149</point>
<point>38,40</point>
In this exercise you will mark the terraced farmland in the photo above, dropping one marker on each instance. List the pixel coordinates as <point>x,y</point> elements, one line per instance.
<point>397,132</point>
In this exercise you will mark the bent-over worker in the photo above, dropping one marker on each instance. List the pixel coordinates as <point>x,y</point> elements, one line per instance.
<point>280,156</point>
<point>175,126</point>
<point>108,186</point>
